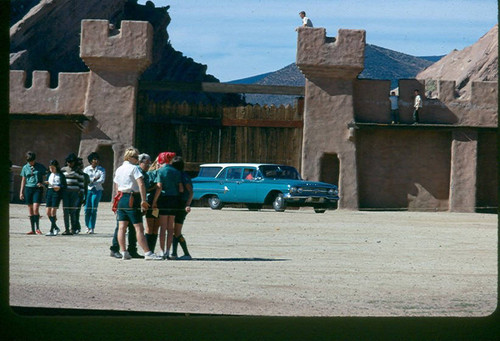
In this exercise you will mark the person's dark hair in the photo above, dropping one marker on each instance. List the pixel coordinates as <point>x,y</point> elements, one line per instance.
<point>93,156</point>
<point>30,156</point>
<point>178,163</point>
<point>79,163</point>
<point>416,90</point>
<point>71,158</point>
<point>302,12</point>
<point>55,164</point>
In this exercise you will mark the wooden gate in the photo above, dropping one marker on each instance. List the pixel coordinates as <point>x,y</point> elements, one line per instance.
<point>205,133</point>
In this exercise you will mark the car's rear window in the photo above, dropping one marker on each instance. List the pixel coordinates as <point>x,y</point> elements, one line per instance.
<point>209,172</point>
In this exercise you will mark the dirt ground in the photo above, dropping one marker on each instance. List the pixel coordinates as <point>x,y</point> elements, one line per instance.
<point>296,263</point>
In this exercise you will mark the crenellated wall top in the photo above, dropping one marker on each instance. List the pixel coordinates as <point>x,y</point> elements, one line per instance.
<point>67,98</point>
<point>322,56</point>
<point>130,49</point>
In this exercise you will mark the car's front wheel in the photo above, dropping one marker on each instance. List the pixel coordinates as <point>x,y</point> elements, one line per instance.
<point>215,203</point>
<point>279,204</point>
<point>320,210</point>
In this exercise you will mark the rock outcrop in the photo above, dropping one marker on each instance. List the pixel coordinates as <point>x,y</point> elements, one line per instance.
<point>478,62</point>
<point>48,38</point>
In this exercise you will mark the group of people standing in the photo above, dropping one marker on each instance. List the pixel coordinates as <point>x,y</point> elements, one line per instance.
<point>159,190</point>
<point>72,184</point>
<point>417,106</point>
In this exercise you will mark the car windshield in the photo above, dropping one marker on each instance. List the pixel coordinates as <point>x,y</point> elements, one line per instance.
<point>279,172</point>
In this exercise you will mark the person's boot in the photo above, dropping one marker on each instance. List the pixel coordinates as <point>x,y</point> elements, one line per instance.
<point>133,253</point>
<point>51,232</point>
<point>175,244</point>
<point>183,243</point>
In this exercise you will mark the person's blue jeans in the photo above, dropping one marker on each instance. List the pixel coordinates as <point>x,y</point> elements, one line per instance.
<point>93,198</point>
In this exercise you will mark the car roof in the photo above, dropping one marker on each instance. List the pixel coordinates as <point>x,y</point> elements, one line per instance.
<point>237,164</point>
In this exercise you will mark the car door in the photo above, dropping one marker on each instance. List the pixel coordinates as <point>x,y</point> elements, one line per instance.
<point>246,188</point>
<point>231,182</point>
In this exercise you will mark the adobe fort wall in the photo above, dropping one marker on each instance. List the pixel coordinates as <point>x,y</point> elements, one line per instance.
<point>447,162</point>
<point>442,163</point>
<point>67,98</point>
<point>101,103</point>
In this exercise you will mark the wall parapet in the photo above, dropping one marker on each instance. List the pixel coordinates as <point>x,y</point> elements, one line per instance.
<point>322,56</point>
<point>129,50</point>
<point>67,98</point>
<point>444,105</point>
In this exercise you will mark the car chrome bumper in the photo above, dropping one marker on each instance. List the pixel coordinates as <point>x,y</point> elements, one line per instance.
<point>307,200</point>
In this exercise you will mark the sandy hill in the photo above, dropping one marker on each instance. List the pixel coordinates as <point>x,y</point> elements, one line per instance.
<point>478,62</point>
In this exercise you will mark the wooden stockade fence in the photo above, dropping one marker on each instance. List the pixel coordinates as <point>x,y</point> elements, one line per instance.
<point>204,133</point>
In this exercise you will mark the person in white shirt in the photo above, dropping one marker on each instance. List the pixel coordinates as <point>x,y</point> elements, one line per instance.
<point>394,107</point>
<point>129,181</point>
<point>97,176</point>
<point>56,184</point>
<point>416,106</point>
<point>306,22</point>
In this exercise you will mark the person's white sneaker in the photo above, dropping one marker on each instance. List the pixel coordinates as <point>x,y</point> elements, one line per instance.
<point>126,255</point>
<point>152,256</point>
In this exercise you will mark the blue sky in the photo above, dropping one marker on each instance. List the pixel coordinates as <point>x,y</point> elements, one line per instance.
<point>243,38</point>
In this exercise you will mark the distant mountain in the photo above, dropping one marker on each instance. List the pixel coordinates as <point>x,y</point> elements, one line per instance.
<point>477,62</point>
<point>250,80</point>
<point>380,63</point>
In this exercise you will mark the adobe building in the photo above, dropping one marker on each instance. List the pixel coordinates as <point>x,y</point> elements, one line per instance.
<point>89,111</point>
<point>448,162</point>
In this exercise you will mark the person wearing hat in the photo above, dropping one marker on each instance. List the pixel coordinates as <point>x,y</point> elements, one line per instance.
<point>31,191</point>
<point>97,176</point>
<point>71,195</point>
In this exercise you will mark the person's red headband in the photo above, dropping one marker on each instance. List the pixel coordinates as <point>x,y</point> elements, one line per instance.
<point>165,157</point>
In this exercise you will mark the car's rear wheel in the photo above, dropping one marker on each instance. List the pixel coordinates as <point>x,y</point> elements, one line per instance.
<point>254,207</point>
<point>215,203</point>
<point>319,210</point>
<point>279,204</point>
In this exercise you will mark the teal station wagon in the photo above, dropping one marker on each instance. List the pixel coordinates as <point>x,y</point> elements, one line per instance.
<point>256,184</point>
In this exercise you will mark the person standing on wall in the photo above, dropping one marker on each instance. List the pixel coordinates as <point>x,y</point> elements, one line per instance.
<point>306,22</point>
<point>417,105</point>
<point>185,207</point>
<point>56,185</point>
<point>166,199</point>
<point>394,107</point>
<point>32,180</point>
<point>97,176</point>
<point>130,182</point>
<point>71,195</point>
